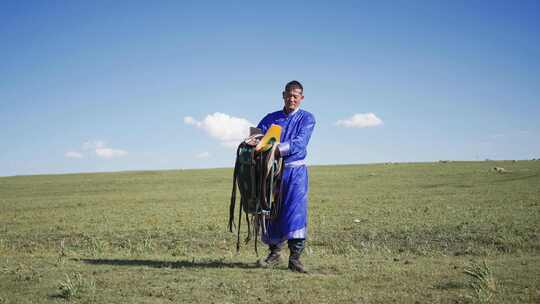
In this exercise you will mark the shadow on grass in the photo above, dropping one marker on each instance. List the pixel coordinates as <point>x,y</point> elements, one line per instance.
<point>511,179</point>
<point>168,264</point>
<point>450,285</point>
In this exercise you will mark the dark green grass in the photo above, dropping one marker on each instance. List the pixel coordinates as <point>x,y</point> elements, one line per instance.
<point>399,233</point>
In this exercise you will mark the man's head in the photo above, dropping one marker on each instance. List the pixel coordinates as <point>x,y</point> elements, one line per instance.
<point>293,95</point>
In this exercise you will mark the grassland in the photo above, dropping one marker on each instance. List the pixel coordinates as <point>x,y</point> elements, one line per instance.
<point>385,233</point>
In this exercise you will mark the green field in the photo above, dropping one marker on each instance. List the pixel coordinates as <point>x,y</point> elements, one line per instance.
<point>385,233</point>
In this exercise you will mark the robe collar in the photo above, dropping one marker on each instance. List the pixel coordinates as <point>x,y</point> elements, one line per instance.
<point>290,114</point>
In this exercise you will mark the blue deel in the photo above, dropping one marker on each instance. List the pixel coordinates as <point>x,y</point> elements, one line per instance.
<point>296,129</point>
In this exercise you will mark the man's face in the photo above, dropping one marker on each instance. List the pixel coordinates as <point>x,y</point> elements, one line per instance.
<point>292,99</point>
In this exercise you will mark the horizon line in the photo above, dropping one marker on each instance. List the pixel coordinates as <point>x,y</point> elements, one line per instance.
<point>312,165</point>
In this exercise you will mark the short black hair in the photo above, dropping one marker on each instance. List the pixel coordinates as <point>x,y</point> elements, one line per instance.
<point>294,84</point>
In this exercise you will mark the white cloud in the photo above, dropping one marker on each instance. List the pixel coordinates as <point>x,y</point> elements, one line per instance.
<point>203,155</point>
<point>360,120</point>
<point>99,148</point>
<point>229,130</point>
<point>73,154</point>
<point>93,144</point>
<point>495,136</point>
<point>191,121</point>
<point>110,153</point>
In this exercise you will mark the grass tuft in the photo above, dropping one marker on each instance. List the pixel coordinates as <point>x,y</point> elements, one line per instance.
<point>481,281</point>
<point>75,286</point>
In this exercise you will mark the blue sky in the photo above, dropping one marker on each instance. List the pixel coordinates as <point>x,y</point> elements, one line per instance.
<point>124,85</point>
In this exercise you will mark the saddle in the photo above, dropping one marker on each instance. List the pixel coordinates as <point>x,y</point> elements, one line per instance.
<point>257,175</point>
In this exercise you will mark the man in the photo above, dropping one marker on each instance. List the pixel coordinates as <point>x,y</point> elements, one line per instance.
<point>291,223</point>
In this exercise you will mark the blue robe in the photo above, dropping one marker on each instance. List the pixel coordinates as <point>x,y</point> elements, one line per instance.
<point>296,129</point>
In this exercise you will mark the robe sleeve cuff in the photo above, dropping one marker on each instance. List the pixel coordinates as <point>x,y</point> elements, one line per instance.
<point>283,148</point>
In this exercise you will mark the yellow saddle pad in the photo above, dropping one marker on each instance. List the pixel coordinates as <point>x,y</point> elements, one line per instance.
<point>272,136</point>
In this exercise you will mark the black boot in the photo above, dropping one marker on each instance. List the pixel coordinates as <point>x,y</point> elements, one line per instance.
<point>273,258</point>
<point>296,246</point>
